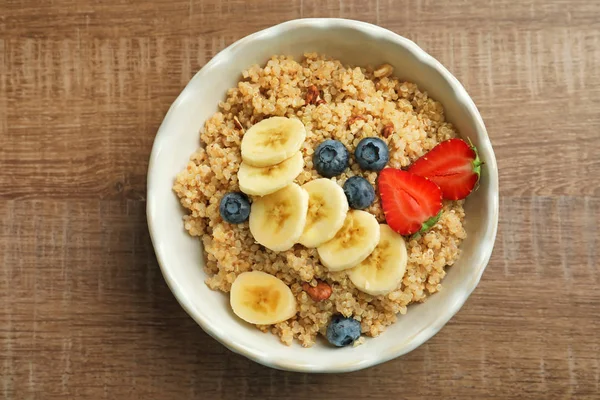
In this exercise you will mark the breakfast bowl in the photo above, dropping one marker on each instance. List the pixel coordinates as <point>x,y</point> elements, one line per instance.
<point>181,256</point>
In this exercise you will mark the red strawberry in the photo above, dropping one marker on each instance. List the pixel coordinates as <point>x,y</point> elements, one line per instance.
<point>453,165</point>
<point>410,202</point>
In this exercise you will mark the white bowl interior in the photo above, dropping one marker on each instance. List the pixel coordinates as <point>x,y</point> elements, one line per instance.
<point>180,255</point>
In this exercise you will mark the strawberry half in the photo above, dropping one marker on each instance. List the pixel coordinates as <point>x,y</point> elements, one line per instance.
<point>453,165</point>
<point>410,202</point>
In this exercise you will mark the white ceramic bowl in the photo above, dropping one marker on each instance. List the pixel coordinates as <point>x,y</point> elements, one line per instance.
<point>180,256</point>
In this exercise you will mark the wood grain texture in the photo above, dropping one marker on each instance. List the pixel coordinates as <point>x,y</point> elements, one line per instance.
<point>84,311</point>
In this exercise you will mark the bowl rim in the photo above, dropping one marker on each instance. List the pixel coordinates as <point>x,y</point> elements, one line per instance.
<point>490,235</point>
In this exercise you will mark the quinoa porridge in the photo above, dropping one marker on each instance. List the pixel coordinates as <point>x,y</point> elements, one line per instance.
<point>332,101</point>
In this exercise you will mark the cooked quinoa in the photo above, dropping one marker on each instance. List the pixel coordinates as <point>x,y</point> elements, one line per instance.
<point>280,88</point>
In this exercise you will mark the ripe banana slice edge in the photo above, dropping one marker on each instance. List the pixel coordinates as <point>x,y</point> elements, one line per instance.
<point>357,238</point>
<point>327,209</point>
<point>262,299</point>
<point>383,270</point>
<point>272,141</point>
<point>266,180</point>
<point>277,220</point>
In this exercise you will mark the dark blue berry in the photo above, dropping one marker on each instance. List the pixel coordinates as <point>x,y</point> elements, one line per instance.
<point>331,158</point>
<point>359,192</point>
<point>235,208</point>
<point>342,331</point>
<point>372,154</point>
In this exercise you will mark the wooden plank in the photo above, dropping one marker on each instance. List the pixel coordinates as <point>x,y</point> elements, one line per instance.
<point>185,18</point>
<point>71,137</point>
<point>82,293</point>
<point>84,310</point>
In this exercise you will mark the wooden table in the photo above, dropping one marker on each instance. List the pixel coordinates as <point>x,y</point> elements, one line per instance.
<point>84,310</point>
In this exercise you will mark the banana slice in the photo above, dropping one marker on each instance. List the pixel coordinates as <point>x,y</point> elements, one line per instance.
<point>262,299</point>
<point>272,140</point>
<point>327,209</point>
<point>266,180</point>
<point>382,271</point>
<point>351,244</point>
<point>277,220</point>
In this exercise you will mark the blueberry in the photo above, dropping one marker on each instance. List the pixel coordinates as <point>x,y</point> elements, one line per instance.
<point>342,331</point>
<point>235,207</point>
<point>372,154</point>
<point>359,192</point>
<point>331,158</point>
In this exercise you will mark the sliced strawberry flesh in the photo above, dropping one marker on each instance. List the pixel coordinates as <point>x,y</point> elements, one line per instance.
<point>453,165</point>
<point>458,187</point>
<point>408,200</point>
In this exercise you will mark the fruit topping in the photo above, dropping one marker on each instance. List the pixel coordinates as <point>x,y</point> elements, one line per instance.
<point>327,209</point>
<point>351,244</point>
<point>234,208</point>
<point>410,202</point>
<point>272,141</point>
<point>260,181</point>
<point>342,331</point>
<point>372,154</point>
<point>383,270</point>
<point>331,158</point>
<point>359,192</point>
<point>277,220</point>
<point>262,299</point>
<point>453,165</point>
